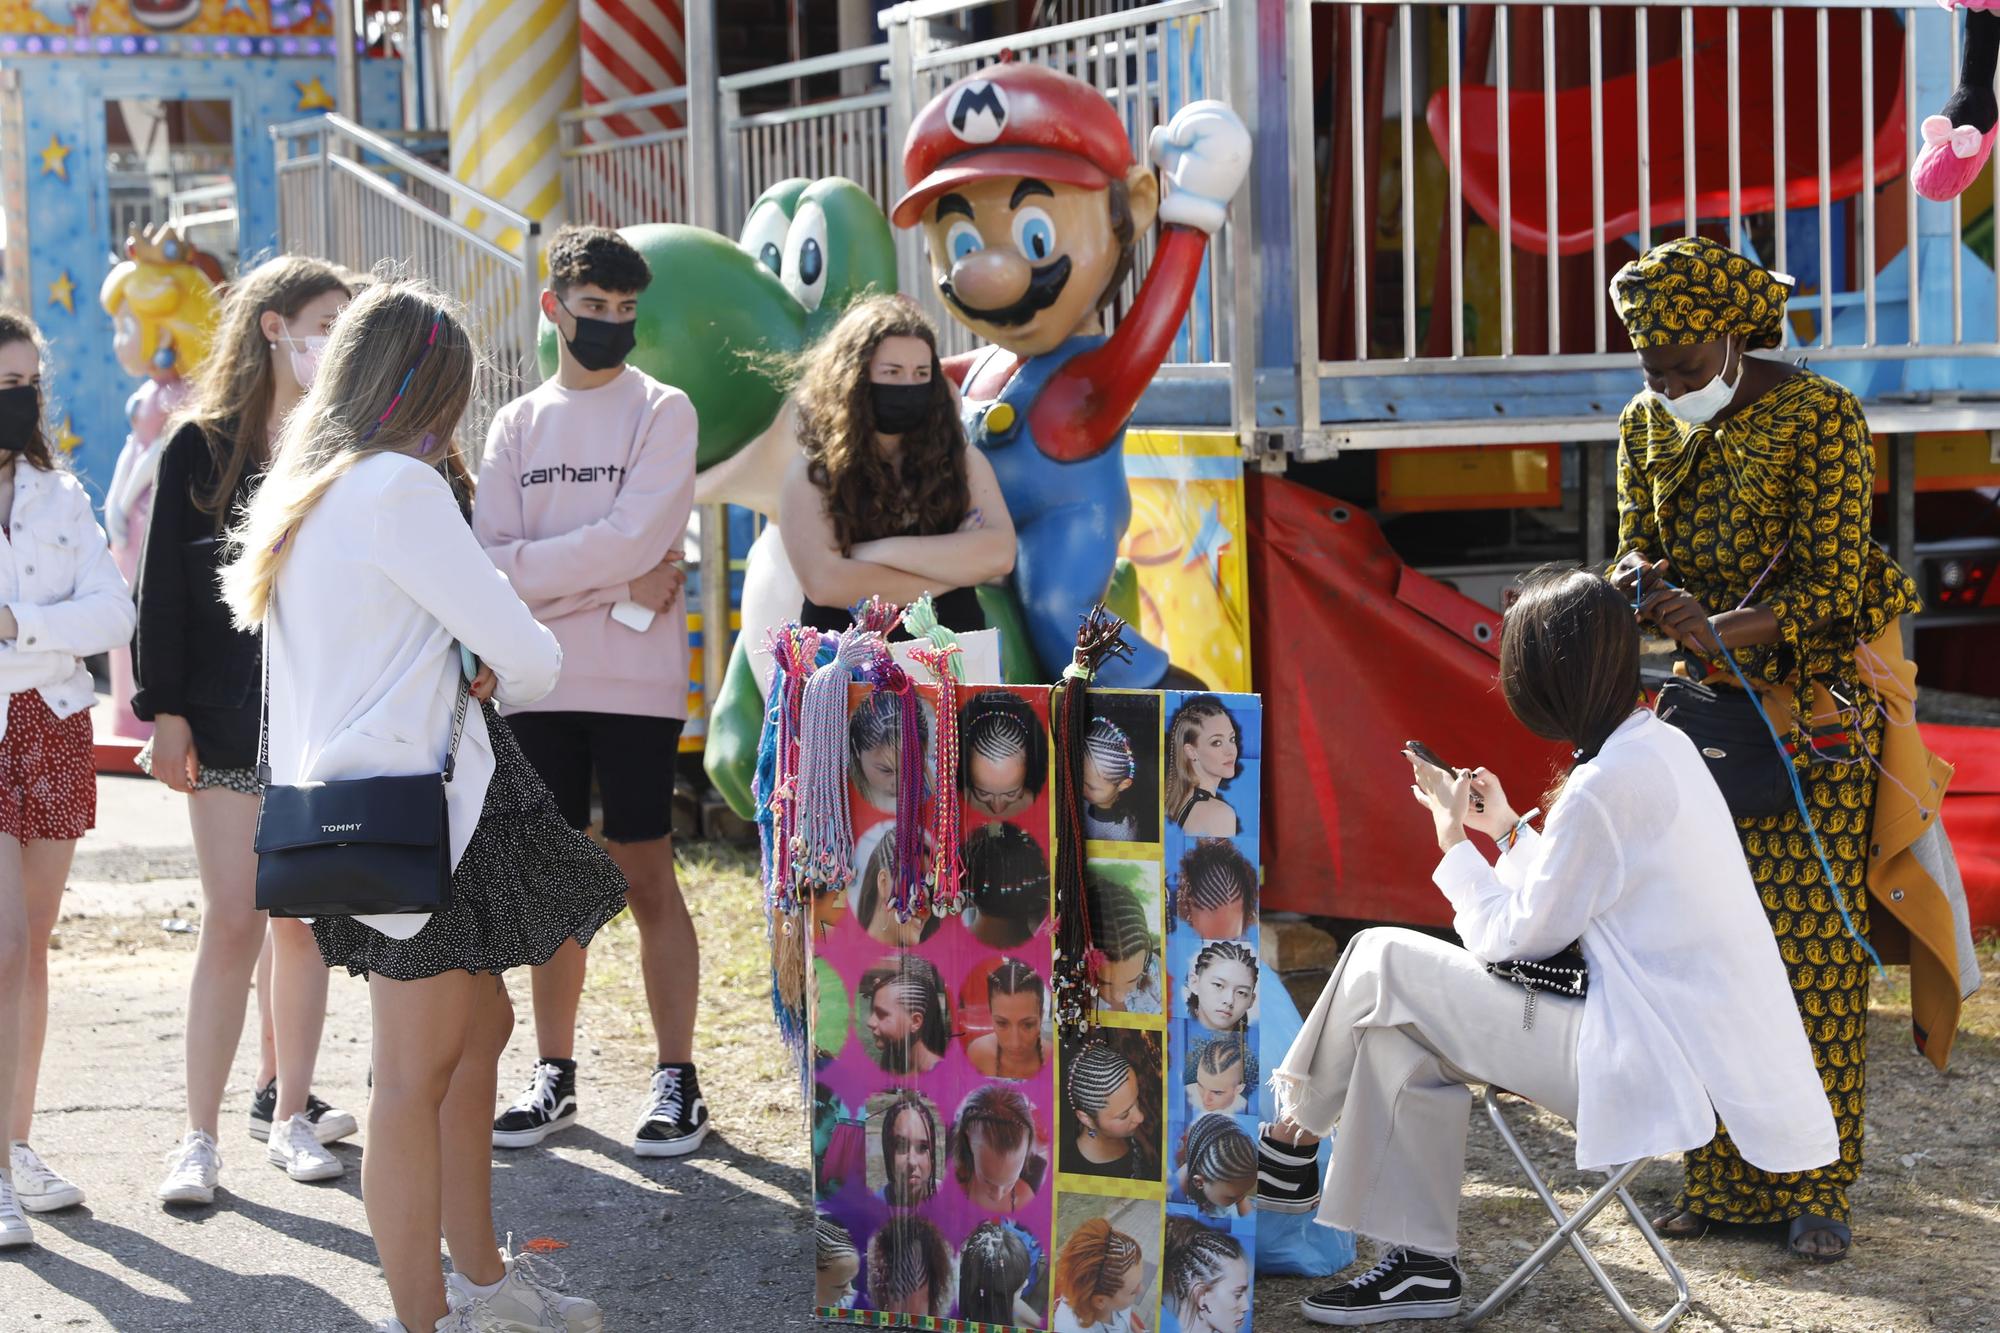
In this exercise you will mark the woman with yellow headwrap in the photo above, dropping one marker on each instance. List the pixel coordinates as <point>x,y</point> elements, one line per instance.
<point>1745,495</point>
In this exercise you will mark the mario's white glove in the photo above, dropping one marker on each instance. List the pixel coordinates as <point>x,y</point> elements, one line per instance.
<point>1203,154</point>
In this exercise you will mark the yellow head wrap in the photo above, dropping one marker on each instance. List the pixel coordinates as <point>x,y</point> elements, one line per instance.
<point>1695,291</point>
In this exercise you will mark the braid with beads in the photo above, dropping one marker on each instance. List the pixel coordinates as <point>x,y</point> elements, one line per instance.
<point>1099,637</point>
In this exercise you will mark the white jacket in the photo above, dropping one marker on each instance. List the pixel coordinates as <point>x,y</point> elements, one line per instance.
<point>67,596</point>
<point>384,579</point>
<point>1690,1014</point>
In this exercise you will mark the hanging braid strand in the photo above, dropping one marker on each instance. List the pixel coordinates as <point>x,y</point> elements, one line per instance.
<point>1099,637</point>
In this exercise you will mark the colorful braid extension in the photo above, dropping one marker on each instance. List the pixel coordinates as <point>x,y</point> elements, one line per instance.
<point>409,375</point>
<point>1078,961</point>
<point>947,873</point>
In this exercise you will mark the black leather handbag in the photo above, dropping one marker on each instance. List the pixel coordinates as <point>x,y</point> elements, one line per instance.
<point>1565,974</point>
<point>1728,728</point>
<point>360,847</point>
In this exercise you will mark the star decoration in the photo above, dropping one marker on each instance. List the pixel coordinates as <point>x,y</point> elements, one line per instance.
<point>62,292</point>
<point>53,156</point>
<point>313,95</point>
<point>1210,541</point>
<point>67,439</point>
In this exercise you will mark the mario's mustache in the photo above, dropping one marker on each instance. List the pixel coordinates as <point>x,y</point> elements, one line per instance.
<point>1045,287</point>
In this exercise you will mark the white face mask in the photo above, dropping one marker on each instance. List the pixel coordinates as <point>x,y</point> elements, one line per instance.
<point>1698,408</point>
<point>305,353</point>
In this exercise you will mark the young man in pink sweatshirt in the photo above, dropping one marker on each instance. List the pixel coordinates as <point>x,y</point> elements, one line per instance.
<point>583,500</point>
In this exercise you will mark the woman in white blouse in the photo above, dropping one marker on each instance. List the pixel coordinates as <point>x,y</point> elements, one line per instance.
<point>359,564</point>
<point>1688,1014</point>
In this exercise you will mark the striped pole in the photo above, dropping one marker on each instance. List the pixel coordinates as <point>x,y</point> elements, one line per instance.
<point>510,67</point>
<point>630,48</point>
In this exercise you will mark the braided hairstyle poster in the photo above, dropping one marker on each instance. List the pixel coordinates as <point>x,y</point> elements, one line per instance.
<point>972,1170</point>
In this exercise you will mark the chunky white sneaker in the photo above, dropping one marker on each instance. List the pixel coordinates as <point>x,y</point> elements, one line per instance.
<point>529,1298</point>
<point>456,1321</point>
<point>14,1229</point>
<point>38,1189</point>
<point>295,1147</point>
<point>192,1170</point>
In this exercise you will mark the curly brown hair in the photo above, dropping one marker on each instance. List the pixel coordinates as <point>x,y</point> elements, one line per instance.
<point>923,492</point>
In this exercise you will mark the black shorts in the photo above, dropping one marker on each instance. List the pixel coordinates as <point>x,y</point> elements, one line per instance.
<point>633,759</point>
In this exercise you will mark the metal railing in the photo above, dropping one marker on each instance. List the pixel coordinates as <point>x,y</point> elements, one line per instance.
<point>1568,133</point>
<point>352,197</point>
<point>626,162</point>
<point>845,136</point>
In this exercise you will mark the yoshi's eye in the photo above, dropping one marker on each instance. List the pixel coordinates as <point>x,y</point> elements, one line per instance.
<point>963,239</point>
<point>1034,235</point>
<point>764,236</point>
<point>804,270</point>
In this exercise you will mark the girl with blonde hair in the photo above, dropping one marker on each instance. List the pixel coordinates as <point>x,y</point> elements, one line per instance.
<point>357,560</point>
<point>198,683</point>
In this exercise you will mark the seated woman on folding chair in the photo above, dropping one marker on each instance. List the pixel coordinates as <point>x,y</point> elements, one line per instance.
<point>1687,1013</point>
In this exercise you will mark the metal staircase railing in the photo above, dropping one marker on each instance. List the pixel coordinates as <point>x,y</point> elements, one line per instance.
<point>354,198</point>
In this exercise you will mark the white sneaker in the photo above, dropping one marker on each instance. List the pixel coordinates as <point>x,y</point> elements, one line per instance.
<point>192,1170</point>
<point>14,1229</point>
<point>39,1189</point>
<point>295,1147</point>
<point>529,1299</point>
<point>456,1321</point>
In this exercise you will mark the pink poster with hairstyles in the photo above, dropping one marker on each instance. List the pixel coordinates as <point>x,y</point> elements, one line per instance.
<point>970,1170</point>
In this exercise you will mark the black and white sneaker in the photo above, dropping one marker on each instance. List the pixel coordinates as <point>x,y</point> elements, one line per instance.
<point>1287,1175</point>
<point>548,1105</point>
<point>1404,1284</point>
<point>330,1124</point>
<point>675,1120</point>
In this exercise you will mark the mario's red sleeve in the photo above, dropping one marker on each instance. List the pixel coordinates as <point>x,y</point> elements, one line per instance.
<point>956,368</point>
<point>1084,406</point>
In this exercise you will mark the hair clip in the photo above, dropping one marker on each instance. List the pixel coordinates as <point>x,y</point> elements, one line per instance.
<point>430,442</point>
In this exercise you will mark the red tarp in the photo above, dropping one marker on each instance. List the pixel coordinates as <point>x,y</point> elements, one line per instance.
<point>1356,653</point>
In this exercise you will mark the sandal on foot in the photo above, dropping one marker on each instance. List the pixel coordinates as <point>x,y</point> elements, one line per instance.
<point>1812,1224</point>
<point>1684,1224</point>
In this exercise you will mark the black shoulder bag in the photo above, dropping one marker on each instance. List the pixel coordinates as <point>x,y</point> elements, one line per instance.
<point>1729,731</point>
<point>360,847</point>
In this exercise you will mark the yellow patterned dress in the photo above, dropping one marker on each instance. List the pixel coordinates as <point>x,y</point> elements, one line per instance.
<point>1785,486</point>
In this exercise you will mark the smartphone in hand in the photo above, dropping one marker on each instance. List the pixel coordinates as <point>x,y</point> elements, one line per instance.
<point>1418,750</point>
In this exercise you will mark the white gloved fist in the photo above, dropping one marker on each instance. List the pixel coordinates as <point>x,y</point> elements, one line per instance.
<point>1203,153</point>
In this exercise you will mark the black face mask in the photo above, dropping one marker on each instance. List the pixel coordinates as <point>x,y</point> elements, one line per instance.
<point>600,344</point>
<point>20,416</point>
<point>901,408</point>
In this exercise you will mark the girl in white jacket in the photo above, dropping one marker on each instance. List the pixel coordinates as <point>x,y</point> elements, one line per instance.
<point>360,566</point>
<point>61,600</point>
<point>1688,1014</point>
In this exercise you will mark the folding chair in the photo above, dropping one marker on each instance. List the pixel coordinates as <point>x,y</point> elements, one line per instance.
<point>1569,1228</point>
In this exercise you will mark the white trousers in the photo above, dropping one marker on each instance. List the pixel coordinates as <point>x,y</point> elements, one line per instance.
<point>1403,1028</point>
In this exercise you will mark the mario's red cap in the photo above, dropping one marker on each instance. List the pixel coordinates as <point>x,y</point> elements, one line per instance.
<point>1012,120</point>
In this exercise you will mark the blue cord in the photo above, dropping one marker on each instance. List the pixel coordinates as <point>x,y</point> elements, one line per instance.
<point>1805,816</point>
<point>1791,772</point>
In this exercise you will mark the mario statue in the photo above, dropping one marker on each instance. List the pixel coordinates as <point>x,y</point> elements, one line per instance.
<point>1026,187</point>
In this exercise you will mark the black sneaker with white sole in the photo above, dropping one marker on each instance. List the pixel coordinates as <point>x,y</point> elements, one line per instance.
<point>548,1105</point>
<point>1404,1284</point>
<point>330,1124</point>
<point>1287,1174</point>
<point>675,1120</point>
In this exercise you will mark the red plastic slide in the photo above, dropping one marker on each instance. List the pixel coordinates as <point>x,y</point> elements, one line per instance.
<point>1356,653</point>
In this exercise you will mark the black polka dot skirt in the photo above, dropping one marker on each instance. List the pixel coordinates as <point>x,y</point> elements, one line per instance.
<point>527,882</point>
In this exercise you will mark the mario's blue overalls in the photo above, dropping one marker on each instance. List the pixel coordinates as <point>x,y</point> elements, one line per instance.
<point>1068,517</point>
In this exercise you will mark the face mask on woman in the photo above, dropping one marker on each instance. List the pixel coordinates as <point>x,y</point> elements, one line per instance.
<point>1700,407</point>
<point>305,354</point>
<point>900,408</point>
<point>20,416</point>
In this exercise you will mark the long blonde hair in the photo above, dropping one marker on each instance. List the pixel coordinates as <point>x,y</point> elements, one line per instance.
<point>234,385</point>
<point>395,378</point>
